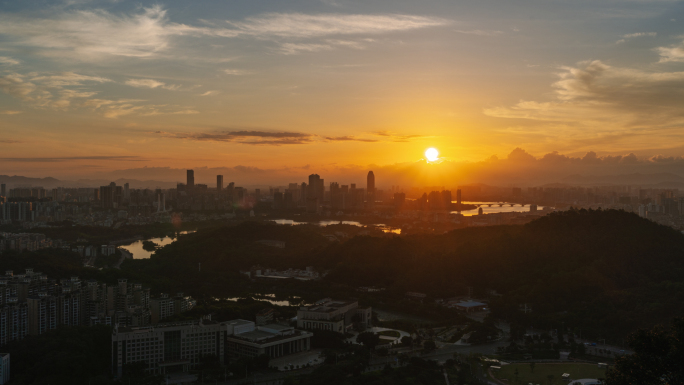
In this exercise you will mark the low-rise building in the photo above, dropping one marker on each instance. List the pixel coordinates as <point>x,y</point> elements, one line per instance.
<point>272,339</point>
<point>333,315</point>
<point>174,347</point>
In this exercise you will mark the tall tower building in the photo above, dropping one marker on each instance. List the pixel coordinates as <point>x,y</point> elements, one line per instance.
<point>3,190</point>
<point>370,182</point>
<point>316,187</point>
<point>370,187</point>
<point>190,185</point>
<point>219,183</point>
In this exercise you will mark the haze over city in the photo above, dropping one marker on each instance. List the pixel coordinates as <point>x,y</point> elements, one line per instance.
<point>341,192</point>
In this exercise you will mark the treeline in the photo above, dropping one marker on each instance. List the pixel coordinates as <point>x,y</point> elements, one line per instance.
<point>67,355</point>
<point>605,273</point>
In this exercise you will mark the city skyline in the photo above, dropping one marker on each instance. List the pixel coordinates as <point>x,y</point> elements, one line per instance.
<point>89,88</point>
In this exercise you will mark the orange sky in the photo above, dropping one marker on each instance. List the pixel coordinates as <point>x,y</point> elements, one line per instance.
<point>93,87</point>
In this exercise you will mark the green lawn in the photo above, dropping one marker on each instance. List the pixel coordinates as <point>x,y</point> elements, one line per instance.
<point>542,371</point>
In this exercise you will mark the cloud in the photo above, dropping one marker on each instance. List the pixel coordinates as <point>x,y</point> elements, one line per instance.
<point>348,139</point>
<point>394,137</point>
<point>9,141</point>
<point>10,112</point>
<point>209,93</point>
<point>150,83</point>
<point>301,25</point>
<point>479,32</point>
<point>674,53</point>
<point>67,79</point>
<point>70,158</point>
<point>295,48</point>
<point>235,72</point>
<point>636,34</point>
<point>594,101</point>
<point>8,60</point>
<point>244,137</point>
<point>97,34</point>
<point>93,35</point>
<point>48,90</point>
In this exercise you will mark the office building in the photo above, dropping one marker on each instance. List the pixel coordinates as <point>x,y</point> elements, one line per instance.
<point>219,183</point>
<point>190,185</point>
<point>4,368</point>
<point>316,188</point>
<point>334,315</point>
<point>3,190</point>
<point>177,347</point>
<point>167,348</point>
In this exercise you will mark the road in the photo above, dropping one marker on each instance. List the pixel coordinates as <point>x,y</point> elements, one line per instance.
<point>125,254</point>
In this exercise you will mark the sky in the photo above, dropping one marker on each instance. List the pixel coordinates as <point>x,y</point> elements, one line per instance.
<point>91,88</point>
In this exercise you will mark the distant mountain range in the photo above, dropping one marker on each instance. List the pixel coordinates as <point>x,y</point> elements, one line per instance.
<point>656,180</point>
<point>50,183</point>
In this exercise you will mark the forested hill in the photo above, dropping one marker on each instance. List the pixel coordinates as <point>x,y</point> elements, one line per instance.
<point>608,271</point>
<point>604,270</point>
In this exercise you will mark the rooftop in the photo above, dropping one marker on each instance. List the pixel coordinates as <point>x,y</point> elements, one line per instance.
<point>470,304</point>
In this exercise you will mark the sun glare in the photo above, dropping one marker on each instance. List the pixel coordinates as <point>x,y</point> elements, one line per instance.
<point>431,154</point>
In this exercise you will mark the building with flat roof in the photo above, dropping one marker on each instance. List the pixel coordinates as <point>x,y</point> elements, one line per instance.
<point>177,347</point>
<point>470,306</point>
<point>273,339</point>
<point>334,315</point>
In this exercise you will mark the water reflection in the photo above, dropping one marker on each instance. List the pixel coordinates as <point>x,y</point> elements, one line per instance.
<point>270,298</point>
<point>380,226</point>
<point>496,207</point>
<point>136,248</point>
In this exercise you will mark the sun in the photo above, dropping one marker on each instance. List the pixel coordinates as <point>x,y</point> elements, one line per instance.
<point>431,154</point>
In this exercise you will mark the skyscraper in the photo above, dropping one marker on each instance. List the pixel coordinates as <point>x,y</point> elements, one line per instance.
<point>316,188</point>
<point>3,190</point>
<point>370,187</point>
<point>190,185</point>
<point>219,183</point>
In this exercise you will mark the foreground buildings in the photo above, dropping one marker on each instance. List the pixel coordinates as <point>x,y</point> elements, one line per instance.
<point>178,347</point>
<point>334,315</point>
<point>31,303</point>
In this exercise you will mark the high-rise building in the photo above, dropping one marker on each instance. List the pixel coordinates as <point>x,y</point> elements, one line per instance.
<point>316,188</point>
<point>370,187</point>
<point>3,190</point>
<point>219,183</point>
<point>4,368</point>
<point>370,182</point>
<point>191,180</point>
<point>458,197</point>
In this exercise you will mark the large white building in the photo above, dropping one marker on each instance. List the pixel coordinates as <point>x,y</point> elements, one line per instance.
<point>167,348</point>
<point>333,315</point>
